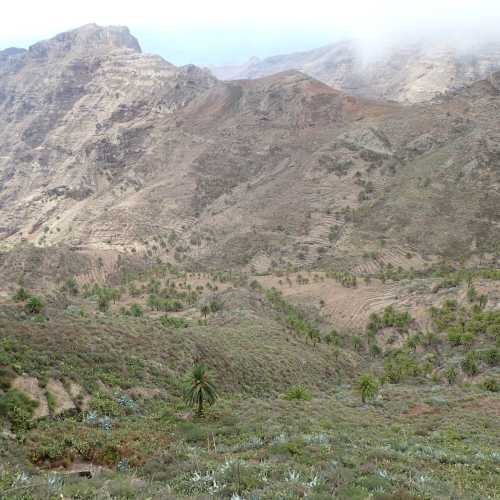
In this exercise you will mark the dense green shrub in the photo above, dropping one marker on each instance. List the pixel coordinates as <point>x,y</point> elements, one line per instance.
<point>136,311</point>
<point>18,409</point>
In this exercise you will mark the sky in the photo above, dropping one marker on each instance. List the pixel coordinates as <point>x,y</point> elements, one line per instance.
<point>231,31</point>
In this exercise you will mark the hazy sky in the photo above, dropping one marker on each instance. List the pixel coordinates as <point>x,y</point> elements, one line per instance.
<point>224,31</point>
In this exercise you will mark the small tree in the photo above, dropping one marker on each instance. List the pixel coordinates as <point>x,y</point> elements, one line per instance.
<point>483,300</point>
<point>451,375</point>
<point>199,389</point>
<point>103,302</point>
<point>367,386</point>
<point>471,294</point>
<point>205,310</point>
<point>136,311</point>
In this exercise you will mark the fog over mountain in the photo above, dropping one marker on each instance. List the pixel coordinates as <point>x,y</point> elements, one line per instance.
<point>406,72</point>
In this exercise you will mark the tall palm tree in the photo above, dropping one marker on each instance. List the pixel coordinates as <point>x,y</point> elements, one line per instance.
<point>199,389</point>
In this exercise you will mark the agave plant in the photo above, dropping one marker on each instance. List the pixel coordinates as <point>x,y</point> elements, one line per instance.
<point>199,389</point>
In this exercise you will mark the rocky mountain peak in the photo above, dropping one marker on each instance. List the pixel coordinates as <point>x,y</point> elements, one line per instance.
<point>11,51</point>
<point>89,37</point>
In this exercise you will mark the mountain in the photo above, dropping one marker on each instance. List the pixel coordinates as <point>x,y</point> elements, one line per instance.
<point>403,72</point>
<point>328,265</point>
<point>104,148</point>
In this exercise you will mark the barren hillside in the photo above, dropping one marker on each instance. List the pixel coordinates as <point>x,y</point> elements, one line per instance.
<point>105,148</point>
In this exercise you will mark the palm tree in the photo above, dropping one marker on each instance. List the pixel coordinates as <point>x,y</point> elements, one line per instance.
<point>199,389</point>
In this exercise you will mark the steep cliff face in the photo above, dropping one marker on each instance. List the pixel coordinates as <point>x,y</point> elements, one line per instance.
<point>407,73</point>
<point>77,113</point>
<point>105,148</point>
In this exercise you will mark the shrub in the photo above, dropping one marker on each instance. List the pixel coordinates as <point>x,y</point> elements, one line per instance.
<point>467,339</point>
<point>492,357</point>
<point>333,338</point>
<point>18,409</point>
<point>455,337</point>
<point>491,384</point>
<point>367,387</point>
<point>105,405</point>
<point>6,377</point>
<point>413,342</point>
<point>375,350</point>
<point>136,311</point>
<point>298,393</point>
<point>215,306</point>
<point>34,305</point>
<point>357,343</point>
<point>469,364</point>
<point>399,366</point>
